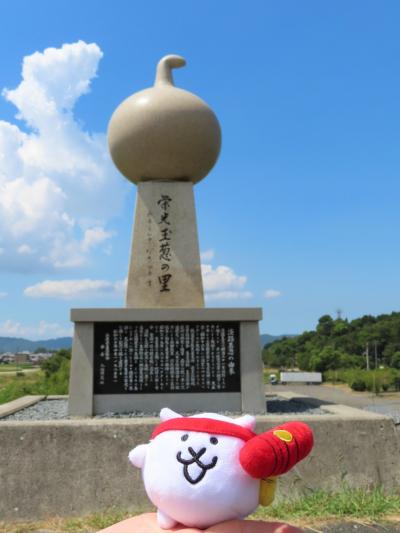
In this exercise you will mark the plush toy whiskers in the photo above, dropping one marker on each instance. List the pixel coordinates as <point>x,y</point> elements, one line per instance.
<point>203,469</point>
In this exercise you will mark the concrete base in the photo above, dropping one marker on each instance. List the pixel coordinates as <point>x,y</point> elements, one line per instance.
<point>81,466</point>
<point>151,403</point>
<point>83,402</point>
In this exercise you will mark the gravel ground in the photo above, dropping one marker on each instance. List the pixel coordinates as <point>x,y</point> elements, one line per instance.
<point>44,410</point>
<point>58,410</point>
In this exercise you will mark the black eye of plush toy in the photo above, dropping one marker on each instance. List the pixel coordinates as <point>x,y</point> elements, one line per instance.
<point>185,437</point>
<point>213,440</point>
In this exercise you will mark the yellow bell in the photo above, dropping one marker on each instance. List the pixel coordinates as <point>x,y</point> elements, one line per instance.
<point>267,491</point>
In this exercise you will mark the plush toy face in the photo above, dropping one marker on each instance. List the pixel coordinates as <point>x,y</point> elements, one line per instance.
<point>195,477</point>
<point>205,469</point>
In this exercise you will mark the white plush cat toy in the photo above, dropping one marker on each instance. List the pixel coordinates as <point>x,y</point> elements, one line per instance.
<point>207,468</point>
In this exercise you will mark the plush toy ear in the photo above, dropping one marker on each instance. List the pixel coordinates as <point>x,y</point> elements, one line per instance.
<point>246,421</point>
<point>276,451</point>
<point>137,456</point>
<point>167,414</point>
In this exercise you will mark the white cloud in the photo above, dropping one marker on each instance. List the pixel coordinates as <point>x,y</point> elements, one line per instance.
<point>24,249</point>
<point>43,330</point>
<point>3,295</point>
<point>220,278</point>
<point>58,187</point>
<point>75,288</point>
<point>207,255</point>
<point>272,293</point>
<point>221,283</point>
<point>228,295</point>
<point>94,236</point>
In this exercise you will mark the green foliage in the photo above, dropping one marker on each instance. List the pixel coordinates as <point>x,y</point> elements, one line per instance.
<point>54,363</point>
<point>325,326</point>
<point>346,503</point>
<point>339,343</point>
<point>358,384</point>
<point>371,380</point>
<point>395,360</point>
<point>52,379</point>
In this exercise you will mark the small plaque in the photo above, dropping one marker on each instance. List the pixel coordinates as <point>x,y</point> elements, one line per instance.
<point>160,357</point>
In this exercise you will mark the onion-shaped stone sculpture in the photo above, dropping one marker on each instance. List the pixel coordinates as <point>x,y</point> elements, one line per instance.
<point>164,133</point>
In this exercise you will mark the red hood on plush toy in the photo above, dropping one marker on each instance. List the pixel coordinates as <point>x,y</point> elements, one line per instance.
<point>271,453</point>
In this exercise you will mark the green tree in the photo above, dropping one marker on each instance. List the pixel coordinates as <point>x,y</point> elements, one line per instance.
<point>327,359</point>
<point>346,343</point>
<point>325,325</point>
<point>53,364</point>
<point>395,360</point>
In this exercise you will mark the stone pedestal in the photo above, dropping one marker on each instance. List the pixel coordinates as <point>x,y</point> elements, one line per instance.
<point>165,349</point>
<point>185,359</point>
<point>164,268</point>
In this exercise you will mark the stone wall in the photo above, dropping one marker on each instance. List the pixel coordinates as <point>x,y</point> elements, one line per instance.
<point>74,467</point>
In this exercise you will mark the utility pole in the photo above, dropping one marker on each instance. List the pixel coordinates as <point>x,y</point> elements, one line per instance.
<point>376,354</point>
<point>367,355</point>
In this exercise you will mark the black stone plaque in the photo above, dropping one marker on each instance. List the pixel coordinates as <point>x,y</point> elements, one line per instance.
<point>160,357</point>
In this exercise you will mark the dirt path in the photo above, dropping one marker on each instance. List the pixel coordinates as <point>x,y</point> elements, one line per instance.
<point>24,370</point>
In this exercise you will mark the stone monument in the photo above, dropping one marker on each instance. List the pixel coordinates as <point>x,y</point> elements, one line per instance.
<point>164,348</point>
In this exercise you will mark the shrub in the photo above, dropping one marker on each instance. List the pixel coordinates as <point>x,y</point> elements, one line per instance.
<point>358,385</point>
<point>55,362</point>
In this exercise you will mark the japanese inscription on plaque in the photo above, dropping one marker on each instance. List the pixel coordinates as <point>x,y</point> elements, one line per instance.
<point>166,357</point>
<point>164,204</point>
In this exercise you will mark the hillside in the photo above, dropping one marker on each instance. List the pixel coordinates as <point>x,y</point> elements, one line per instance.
<point>268,339</point>
<point>14,344</point>
<point>340,344</point>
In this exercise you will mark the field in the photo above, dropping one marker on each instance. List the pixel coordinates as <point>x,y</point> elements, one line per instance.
<point>44,382</point>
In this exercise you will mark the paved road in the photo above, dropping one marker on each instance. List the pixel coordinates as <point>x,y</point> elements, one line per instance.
<point>387,404</point>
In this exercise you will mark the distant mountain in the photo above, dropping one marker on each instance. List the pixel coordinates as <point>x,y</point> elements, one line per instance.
<point>13,344</point>
<point>267,339</point>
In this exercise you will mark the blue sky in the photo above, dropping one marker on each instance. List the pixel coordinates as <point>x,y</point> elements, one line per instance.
<point>302,208</point>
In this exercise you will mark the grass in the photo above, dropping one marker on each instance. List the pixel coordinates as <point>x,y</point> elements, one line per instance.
<point>53,378</point>
<point>347,503</point>
<point>93,522</point>
<point>13,387</point>
<point>316,507</point>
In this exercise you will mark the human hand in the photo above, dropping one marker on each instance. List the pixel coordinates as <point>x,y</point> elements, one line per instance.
<point>147,523</point>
